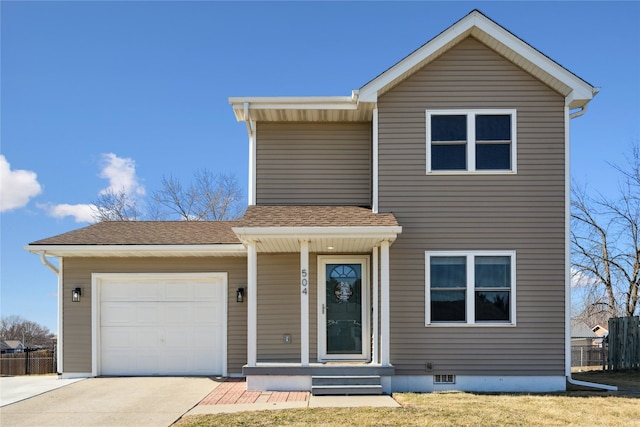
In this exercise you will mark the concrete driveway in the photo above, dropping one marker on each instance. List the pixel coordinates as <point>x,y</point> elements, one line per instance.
<point>15,389</point>
<point>152,401</point>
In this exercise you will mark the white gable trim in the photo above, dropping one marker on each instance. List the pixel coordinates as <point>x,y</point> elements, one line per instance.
<point>478,25</point>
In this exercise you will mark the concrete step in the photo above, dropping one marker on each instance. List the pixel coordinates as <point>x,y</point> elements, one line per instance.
<point>346,385</point>
<point>346,390</point>
<point>345,380</point>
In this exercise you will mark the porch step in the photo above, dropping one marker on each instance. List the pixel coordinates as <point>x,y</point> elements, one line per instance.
<point>346,385</point>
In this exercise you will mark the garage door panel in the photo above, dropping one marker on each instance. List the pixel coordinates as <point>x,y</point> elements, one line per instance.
<point>203,291</point>
<point>117,290</point>
<point>147,314</point>
<point>170,336</point>
<point>119,314</point>
<point>201,315</point>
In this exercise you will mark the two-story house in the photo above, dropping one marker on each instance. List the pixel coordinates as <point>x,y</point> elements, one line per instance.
<point>412,236</point>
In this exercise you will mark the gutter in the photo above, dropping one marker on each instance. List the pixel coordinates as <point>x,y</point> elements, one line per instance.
<point>47,263</point>
<point>570,380</point>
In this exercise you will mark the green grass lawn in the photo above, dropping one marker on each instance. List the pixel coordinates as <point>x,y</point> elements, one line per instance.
<point>573,408</point>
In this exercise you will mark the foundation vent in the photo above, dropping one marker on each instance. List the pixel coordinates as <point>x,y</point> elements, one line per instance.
<point>444,379</point>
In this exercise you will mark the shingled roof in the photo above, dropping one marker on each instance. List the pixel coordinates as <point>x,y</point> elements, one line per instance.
<point>314,216</point>
<point>148,233</point>
<point>279,228</point>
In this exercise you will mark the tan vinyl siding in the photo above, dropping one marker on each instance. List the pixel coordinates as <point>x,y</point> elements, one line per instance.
<point>279,307</point>
<point>313,164</point>
<point>77,316</point>
<point>522,212</point>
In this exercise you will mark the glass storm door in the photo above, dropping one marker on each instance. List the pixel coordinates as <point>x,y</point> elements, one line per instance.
<point>343,312</point>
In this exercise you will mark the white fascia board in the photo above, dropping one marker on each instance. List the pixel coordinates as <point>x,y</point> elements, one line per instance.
<point>290,100</point>
<point>325,232</point>
<point>152,250</point>
<point>475,21</point>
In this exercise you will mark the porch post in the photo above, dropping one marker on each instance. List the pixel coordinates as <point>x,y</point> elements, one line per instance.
<point>384,306</point>
<point>252,304</point>
<point>375,359</point>
<point>304,302</point>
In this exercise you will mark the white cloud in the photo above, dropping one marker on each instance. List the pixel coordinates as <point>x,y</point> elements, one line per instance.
<point>80,212</point>
<point>582,280</point>
<point>17,187</point>
<point>121,173</point>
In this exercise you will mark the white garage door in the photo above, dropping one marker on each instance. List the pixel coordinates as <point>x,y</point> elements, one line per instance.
<point>162,324</point>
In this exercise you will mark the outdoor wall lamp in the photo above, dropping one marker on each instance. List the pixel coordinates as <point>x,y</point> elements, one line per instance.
<point>75,294</point>
<point>240,295</point>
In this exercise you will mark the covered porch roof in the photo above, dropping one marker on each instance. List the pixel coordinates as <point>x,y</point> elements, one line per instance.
<point>332,229</point>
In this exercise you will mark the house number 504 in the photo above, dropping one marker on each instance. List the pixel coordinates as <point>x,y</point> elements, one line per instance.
<point>304,281</point>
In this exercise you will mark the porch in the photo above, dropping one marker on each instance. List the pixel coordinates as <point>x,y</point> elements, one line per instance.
<point>320,378</point>
<point>340,258</point>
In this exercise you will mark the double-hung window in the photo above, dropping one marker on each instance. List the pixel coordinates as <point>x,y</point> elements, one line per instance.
<point>482,141</point>
<point>470,288</point>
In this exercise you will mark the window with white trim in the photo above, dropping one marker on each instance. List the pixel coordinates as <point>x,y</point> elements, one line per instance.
<point>471,141</point>
<point>470,288</point>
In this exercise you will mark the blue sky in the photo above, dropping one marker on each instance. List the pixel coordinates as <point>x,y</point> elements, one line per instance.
<point>117,94</point>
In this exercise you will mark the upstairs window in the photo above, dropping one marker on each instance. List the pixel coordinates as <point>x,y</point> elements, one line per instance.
<point>471,141</point>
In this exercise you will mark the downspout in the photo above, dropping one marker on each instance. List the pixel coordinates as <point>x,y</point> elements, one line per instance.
<point>47,263</point>
<point>252,155</point>
<point>568,117</point>
<point>578,113</point>
<point>56,271</point>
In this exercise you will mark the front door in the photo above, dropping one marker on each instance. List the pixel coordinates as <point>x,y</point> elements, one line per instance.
<point>343,323</point>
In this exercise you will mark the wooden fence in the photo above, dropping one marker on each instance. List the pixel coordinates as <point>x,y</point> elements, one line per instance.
<point>624,343</point>
<point>28,363</point>
<point>588,356</point>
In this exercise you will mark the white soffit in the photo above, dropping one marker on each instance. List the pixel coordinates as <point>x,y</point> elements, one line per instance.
<point>309,109</point>
<point>321,239</point>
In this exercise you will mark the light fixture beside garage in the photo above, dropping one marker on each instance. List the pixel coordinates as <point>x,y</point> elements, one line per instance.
<point>75,294</point>
<point>240,295</point>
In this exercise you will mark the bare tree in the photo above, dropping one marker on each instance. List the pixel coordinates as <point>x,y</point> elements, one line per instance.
<point>173,200</point>
<point>31,334</point>
<point>115,206</point>
<point>209,198</point>
<point>219,196</point>
<point>605,240</point>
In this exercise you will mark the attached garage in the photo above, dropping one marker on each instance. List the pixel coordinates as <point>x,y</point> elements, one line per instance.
<point>159,323</point>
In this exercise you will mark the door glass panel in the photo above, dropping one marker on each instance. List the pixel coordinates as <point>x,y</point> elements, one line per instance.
<point>344,308</point>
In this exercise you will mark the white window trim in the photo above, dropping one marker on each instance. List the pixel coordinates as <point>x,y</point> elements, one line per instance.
<point>470,291</point>
<point>471,141</point>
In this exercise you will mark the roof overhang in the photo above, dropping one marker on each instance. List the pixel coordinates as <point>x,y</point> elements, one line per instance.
<point>86,251</point>
<point>321,239</point>
<point>577,91</point>
<point>305,109</point>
